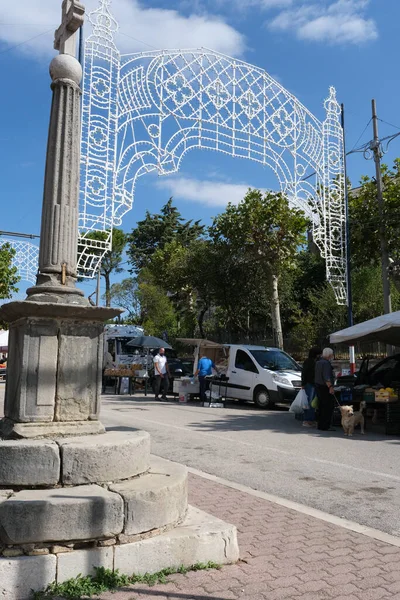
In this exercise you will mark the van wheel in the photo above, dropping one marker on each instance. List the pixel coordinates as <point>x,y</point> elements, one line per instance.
<point>262,398</point>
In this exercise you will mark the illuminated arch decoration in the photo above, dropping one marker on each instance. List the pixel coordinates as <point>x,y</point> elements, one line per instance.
<point>143,112</point>
<point>26,258</point>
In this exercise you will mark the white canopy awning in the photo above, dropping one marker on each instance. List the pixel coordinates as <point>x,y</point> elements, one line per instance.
<point>384,329</point>
<point>3,341</point>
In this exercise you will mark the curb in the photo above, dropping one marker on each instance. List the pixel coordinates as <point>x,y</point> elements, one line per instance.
<point>305,510</point>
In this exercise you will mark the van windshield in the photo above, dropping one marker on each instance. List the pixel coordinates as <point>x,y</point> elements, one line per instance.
<point>275,360</point>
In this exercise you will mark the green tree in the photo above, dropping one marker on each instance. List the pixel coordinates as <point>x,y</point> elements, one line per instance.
<point>365,219</point>
<point>157,230</point>
<point>157,311</point>
<point>126,295</point>
<point>8,273</point>
<point>263,233</point>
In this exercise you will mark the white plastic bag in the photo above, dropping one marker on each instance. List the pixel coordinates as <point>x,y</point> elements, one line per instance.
<point>300,403</point>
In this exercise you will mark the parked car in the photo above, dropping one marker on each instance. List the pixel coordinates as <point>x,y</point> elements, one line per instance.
<point>386,373</point>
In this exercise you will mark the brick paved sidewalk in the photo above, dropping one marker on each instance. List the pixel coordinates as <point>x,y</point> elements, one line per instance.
<point>284,554</point>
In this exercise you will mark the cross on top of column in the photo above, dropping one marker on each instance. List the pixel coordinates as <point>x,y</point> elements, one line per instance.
<point>72,19</point>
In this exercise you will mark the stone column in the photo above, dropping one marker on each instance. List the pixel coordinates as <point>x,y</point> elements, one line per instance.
<point>56,338</point>
<point>59,230</point>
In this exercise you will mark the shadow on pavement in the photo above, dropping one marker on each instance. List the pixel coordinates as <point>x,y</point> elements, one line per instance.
<point>248,418</point>
<point>286,423</point>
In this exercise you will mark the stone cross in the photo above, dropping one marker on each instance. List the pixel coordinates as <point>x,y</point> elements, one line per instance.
<point>72,19</point>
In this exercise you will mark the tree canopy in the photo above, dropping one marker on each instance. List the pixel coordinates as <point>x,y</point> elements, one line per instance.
<point>8,273</point>
<point>155,231</point>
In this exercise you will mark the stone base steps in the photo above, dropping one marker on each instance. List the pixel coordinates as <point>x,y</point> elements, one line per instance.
<point>84,513</point>
<point>199,538</point>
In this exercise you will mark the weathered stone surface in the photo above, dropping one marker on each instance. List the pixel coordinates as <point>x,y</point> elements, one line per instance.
<point>11,430</point>
<point>11,552</point>
<point>54,366</point>
<point>80,357</point>
<point>57,549</point>
<point>38,552</point>
<point>31,370</point>
<point>200,538</point>
<point>83,562</point>
<point>156,499</point>
<point>19,576</point>
<point>109,457</point>
<point>109,542</point>
<point>33,462</point>
<point>59,515</point>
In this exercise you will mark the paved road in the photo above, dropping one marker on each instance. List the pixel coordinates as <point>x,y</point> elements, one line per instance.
<point>356,478</point>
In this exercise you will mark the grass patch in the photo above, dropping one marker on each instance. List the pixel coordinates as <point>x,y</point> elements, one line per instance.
<point>105,580</point>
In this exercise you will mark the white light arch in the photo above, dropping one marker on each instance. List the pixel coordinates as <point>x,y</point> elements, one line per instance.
<point>26,258</point>
<point>143,112</point>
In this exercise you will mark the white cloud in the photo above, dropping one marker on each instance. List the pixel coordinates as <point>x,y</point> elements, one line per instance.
<point>338,22</point>
<point>161,28</point>
<point>207,192</point>
<point>243,5</point>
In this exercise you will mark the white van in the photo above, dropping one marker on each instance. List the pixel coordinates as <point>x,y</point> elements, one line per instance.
<point>261,374</point>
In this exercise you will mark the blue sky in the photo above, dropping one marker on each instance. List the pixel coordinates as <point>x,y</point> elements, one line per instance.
<point>307,45</point>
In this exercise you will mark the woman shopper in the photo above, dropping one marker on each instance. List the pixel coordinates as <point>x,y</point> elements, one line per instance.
<point>324,380</point>
<point>308,384</point>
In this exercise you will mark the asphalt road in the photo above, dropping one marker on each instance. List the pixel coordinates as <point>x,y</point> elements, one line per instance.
<point>357,478</point>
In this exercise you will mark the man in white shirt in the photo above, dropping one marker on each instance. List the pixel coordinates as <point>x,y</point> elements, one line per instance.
<point>161,374</point>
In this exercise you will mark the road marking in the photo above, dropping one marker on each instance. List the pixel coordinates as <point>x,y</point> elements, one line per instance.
<point>268,448</point>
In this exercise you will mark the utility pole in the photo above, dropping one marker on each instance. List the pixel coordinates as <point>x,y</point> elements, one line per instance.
<point>376,149</point>
<point>98,285</point>
<point>352,358</point>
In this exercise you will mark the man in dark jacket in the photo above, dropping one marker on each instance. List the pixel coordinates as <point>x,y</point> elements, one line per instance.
<point>324,380</point>
<point>308,384</point>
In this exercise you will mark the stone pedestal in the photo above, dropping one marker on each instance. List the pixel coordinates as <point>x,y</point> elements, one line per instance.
<point>54,369</point>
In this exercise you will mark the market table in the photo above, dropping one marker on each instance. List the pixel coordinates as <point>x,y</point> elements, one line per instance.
<point>133,375</point>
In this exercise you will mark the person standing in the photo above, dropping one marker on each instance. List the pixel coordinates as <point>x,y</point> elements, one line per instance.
<point>324,380</point>
<point>204,368</point>
<point>161,375</point>
<point>107,364</point>
<point>308,384</point>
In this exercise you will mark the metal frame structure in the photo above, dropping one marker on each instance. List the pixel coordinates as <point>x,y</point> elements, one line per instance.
<point>26,258</point>
<point>143,112</point>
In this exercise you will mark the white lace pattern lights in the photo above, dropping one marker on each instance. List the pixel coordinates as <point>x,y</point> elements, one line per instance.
<point>26,258</point>
<point>144,112</point>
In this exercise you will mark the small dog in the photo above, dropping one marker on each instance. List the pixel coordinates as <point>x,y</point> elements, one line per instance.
<point>351,419</point>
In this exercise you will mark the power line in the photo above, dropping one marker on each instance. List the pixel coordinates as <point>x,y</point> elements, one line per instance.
<point>137,40</point>
<point>364,130</point>
<point>25,42</point>
<point>387,123</point>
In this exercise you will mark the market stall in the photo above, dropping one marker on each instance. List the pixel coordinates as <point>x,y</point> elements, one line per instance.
<point>378,387</point>
<point>188,387</point>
